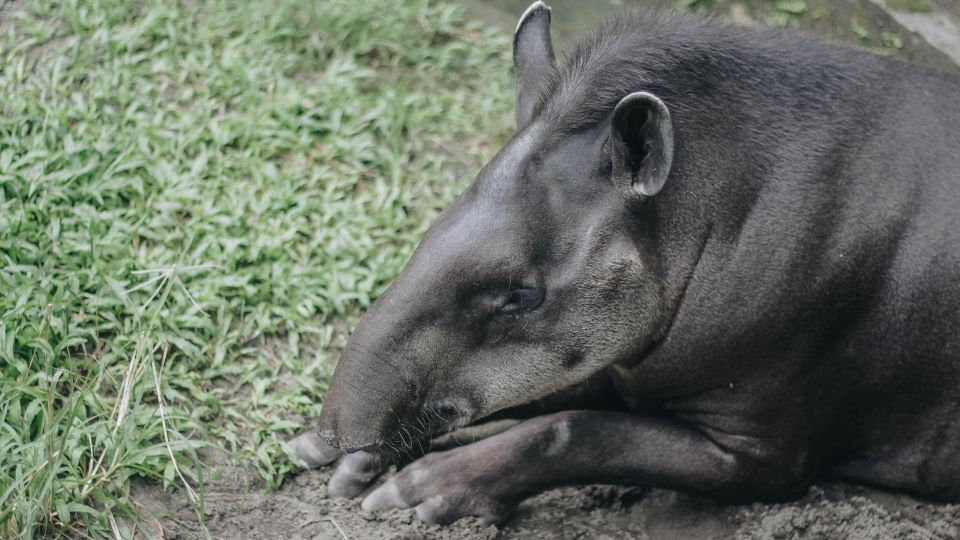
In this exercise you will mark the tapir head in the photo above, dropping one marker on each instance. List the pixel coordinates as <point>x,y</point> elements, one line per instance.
<point>538,276</point>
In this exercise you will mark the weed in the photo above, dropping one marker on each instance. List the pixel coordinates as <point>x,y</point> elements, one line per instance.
<point>218,189</point>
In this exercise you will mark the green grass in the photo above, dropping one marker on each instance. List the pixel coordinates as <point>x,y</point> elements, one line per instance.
<point>197,199</point>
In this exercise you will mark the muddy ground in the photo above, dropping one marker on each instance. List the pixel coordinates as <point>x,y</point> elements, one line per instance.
<point>239,507</point>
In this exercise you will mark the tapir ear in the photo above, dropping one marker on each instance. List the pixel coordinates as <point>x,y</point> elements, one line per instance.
<point>532,57</point>
<point>641,145</point>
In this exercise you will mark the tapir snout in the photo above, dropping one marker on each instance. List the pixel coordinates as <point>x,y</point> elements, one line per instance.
<point>353,416</point>
<point>384,395</point>
<point>373,405</point>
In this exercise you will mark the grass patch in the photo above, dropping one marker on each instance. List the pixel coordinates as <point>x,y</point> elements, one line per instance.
<point>197,199</point>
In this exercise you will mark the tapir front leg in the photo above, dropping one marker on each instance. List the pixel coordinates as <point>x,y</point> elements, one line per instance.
<point>488,478</point>
<point>356,472</point>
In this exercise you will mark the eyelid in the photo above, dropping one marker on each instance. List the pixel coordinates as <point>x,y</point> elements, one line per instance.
<point>520,300</point>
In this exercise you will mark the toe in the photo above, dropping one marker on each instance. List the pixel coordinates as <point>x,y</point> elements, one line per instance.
<point>385,497</point>
<point>354,473</point>
<point>312,451</point>
<point>435,510</point>
<point>445,509</point>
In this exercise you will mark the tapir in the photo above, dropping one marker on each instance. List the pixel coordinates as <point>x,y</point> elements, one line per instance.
<point>714,259</point>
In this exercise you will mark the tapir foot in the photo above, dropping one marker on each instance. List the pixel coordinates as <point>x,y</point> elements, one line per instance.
<point>357,471</point>
<point>470,477</point>
<point>312,451</point>
<point>444,486</point>
<point>354,474</point>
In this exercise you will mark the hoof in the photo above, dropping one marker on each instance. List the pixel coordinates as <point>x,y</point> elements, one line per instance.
<point>312,451</point>
<point>354,474</point>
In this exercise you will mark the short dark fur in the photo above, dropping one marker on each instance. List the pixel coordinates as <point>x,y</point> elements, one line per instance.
<point>787,306</point>
<point>674,55</point>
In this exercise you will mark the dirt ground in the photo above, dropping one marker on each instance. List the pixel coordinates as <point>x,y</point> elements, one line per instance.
<point>238,507</point>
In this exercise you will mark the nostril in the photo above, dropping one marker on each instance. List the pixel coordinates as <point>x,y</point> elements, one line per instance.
<point>449,413</point>
<point>453,413</point>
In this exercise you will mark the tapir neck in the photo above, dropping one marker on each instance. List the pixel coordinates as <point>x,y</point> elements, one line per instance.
<point>698,217</point>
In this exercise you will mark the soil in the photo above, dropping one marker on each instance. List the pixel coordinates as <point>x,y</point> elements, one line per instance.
<point>239,507</point>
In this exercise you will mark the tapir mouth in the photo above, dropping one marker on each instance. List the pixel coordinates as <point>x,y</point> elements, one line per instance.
<point>416,433</point>
<point>411,434</point>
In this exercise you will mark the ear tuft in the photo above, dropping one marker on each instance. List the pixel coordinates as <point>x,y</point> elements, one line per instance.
<point>533,57</point>
<point>534,9</point>
<point>642,150</point>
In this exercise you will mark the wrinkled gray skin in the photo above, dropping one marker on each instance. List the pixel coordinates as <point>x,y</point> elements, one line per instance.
<point>725,261</point>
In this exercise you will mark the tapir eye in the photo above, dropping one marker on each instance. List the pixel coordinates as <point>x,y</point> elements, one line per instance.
<point>518,300</point>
